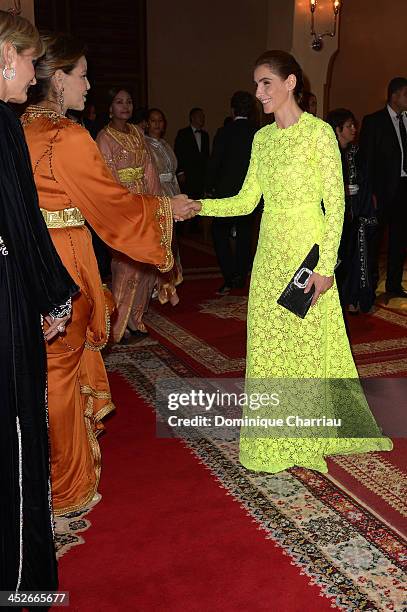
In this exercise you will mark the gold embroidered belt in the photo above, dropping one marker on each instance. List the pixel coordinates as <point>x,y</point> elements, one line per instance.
<point>68,217</point>
<point>129,175</point>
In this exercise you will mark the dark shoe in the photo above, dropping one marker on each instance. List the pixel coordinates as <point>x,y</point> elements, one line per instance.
<point>136,333</point>
<point>397,292</point>
<point>239,282</point>
<point>353,310</point>
<point>224,289</point>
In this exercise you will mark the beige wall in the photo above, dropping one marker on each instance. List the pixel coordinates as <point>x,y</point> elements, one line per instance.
<point>280,21</point>
<point>27,7</point>
<point>373,49</point>
<point>200,53</point>
<point>315,64</point>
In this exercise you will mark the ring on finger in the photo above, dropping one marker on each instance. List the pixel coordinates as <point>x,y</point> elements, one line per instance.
<point>61,328</point>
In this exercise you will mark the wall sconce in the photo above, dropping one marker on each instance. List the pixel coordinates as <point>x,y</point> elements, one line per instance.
<point>16,9</point>
<point>317,38</point>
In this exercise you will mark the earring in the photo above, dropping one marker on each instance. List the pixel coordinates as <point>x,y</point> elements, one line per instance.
<point>11,75</point>
<point>61,100</point>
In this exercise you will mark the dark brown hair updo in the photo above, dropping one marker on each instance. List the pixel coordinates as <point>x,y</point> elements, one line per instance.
<point>283,64</point>
<point>62,52</point>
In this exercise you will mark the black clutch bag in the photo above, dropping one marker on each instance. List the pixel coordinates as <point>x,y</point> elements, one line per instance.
<point>293,297</point>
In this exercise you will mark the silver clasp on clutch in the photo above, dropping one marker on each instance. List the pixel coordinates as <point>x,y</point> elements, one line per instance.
<point>302,284</point>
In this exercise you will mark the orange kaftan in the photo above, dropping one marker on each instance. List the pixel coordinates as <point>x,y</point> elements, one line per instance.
<point>69,171</point>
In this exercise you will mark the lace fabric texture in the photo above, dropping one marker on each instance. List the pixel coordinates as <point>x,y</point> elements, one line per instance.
<point>296,169</point>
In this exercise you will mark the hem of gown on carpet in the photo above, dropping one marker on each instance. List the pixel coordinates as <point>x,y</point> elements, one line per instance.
<point>91,422</point>
<point>318,463</point>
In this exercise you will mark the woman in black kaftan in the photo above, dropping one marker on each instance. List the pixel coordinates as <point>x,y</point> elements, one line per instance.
<point>33,283</point>
<point>354,276</point>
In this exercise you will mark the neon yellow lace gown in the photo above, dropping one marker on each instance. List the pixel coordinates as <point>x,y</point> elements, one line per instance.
<point>295,168</point>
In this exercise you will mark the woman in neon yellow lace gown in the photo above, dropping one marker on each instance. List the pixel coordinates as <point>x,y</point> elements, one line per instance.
<point>295,164</point>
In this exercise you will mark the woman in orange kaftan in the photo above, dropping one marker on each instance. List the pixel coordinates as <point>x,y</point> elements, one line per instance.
<point>75,185</point>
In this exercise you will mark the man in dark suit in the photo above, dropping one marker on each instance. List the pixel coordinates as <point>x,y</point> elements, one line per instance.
<point>192,151</point>
<point>227,169</point>
<point>383,151</point>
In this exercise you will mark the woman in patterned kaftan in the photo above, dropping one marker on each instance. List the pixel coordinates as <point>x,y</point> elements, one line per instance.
<point>124,149</point>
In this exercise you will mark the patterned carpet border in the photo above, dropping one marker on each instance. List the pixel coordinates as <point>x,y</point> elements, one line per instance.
<point>348,552</point>
<point>235,307</point>
<point>380,476</point>
<point>209,356</point>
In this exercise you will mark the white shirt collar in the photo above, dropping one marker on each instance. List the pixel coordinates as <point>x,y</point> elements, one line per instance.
<point>393,113</point>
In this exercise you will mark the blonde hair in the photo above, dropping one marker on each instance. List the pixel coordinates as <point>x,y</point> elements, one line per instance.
<point>20,33</point>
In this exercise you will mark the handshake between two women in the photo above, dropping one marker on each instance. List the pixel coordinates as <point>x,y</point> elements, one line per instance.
<point>183,208</point>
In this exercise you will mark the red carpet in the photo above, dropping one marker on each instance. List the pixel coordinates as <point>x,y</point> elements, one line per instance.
<point>368,328</point>
<point>166,537</point>
<point>378,481</point>
<point>195,255</point>
<point>208,331</point>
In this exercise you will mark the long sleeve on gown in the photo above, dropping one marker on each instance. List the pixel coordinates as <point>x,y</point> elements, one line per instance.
<point>70,172</point>
<point>135,224</point>
<point>246,200</point>
<point>296,169</point>
<point>328,164</point>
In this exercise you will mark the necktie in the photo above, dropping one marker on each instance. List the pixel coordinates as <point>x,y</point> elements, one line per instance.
<point>198,136</point>
<point>403,134</point>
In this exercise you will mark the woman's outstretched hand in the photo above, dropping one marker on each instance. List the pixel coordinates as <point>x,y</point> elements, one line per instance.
<point>183,208</point>
<point>321,284</point>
